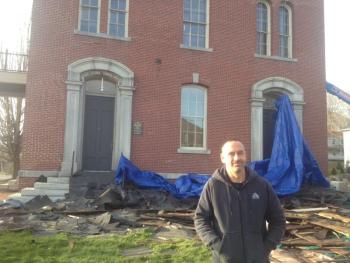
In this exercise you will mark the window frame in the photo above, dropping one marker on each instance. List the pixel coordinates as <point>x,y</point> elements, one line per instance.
<point>200,150</point>
<point>268,33</point>
<point>290,31</point>
<point>98,17</point>
<point>206,35</point>
<point>126,26</point>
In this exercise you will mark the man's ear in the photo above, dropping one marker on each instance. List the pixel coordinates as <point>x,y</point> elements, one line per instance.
<point>222,158</point>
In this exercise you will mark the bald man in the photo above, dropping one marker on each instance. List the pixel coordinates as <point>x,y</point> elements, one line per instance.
<point>233,210</point>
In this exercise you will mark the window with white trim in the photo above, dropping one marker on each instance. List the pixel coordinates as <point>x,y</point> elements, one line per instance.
<point>285,31</point>
<point>195,23</point>
<point>89,16</point>
<point>263,37</point>
<point>118,17</point>
<point>193,117</point>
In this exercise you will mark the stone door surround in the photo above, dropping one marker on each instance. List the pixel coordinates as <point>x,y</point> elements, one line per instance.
<point>73,141</point>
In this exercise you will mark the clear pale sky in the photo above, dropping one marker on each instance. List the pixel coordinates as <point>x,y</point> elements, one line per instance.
<point>14,15</point>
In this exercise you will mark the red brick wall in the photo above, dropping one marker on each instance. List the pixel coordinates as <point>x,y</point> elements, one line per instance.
<point>155,28</point>
<point>23,182</point>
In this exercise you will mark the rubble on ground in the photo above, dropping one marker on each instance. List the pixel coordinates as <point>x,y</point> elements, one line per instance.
<point>318,227</point>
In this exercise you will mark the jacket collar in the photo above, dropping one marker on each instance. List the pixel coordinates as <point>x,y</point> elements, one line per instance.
<point>221,175</point>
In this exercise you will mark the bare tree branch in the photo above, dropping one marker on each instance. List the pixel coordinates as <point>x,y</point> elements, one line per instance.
<point>11,120</point>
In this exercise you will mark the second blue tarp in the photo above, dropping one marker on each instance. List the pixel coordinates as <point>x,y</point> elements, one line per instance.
<point>291,164</point>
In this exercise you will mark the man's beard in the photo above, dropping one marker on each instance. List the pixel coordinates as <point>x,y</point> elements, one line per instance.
<point>233,170</point>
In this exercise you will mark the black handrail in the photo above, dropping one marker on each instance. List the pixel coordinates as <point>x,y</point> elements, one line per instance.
<point>13,62</point>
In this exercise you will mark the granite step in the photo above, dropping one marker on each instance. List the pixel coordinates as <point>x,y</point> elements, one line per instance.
<point>58,180</point>
<point>31,191</point>
<point>51,186</point>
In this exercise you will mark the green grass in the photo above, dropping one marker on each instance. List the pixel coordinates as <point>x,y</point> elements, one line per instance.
<point>23,247</point>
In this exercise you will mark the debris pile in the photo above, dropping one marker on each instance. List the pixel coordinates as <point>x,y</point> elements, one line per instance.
<point>318,228</point>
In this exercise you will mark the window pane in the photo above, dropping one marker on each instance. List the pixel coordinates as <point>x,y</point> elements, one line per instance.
<point>84,13</point>
<point>201,30</point>
<point>184,139</point>
<point>200,96</point>
<point>193,41</point>
<point>187,4</point>
<point>122,4</point>
<point>92,27</point>
<point>121,18</point>
<point>84,26</point>
<point>113,17</point>
<point>202,17</point>
<point>192,109</point>
<point>200,109</point>
<point>195,4</point>
<point>201,42</point>
<point>194,28</point>
<point>114,4</point>
<point>94,2</point>
<point>86,2</point>
<point>197,122</point>
<point>261,39</point>
<point>194,15</point>
<point>187,15</point>
<point>187,28</point>
<point>203,5</point>
<point>112,29</point>
<point>186,40</point>
<point>190,140</point>
<point>199,140</point>
<point>283,46</point>
<point>93,14</point>
<point>121,30</point>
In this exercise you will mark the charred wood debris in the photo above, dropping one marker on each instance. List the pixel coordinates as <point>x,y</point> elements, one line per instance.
<point>318,219</point>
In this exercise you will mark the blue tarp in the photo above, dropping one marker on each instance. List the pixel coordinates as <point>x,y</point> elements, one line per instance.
<point>291,164</point>
<point>190,185</point>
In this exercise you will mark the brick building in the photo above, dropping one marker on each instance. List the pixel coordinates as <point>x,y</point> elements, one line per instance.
<point>167,82</point>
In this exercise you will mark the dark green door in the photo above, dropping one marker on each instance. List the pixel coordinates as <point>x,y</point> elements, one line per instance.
<point>98,133</point>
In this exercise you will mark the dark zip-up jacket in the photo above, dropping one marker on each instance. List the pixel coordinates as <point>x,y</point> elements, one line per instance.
<point>232,221</point>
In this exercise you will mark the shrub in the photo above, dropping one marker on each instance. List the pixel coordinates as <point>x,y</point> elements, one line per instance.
<point>334,171</point>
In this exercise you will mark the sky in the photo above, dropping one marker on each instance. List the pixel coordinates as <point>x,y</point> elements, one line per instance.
<point>15,14</point>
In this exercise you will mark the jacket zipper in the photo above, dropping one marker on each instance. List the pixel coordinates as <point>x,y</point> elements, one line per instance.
<point>240,215</point>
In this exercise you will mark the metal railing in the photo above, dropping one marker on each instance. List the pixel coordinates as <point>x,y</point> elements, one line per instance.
<point>13,62</point>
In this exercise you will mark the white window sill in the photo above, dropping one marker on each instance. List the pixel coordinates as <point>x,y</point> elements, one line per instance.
<point>276,58</point>
<point>193,151</point>
<point>102,35</point>
<point>196,48</point>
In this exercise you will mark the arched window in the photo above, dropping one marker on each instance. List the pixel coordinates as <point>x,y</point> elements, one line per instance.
<point>193,117</point>
<point>285,31</point>
<point>89,16</point>
<point>263,36</point>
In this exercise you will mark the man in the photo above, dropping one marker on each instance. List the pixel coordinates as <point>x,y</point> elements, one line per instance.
<point>233,209</point>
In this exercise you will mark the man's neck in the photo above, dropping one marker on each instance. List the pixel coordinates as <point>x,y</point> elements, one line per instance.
<point>237,177</point>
